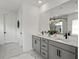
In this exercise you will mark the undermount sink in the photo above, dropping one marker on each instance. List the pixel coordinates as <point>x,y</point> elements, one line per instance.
<point>66,40</point>
<point>63,39</point>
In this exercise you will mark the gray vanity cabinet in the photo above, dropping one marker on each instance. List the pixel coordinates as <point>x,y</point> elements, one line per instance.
<point>50,49</point>
<point>57,53</point>
<point>36,43</point>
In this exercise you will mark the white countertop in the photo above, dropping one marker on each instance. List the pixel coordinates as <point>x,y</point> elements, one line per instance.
<point>73,41</point>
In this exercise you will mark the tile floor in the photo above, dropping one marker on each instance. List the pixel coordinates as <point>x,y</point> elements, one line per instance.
<point>28,55</point>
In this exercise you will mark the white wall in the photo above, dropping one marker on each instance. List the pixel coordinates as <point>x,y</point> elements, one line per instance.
<point>44,22</point>
<point>73,16</point>
<point>30,25</point>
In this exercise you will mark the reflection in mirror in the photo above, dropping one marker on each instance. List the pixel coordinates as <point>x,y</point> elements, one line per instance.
<point>59,25</point>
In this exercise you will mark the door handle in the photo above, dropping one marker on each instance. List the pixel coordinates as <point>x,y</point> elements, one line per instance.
<point>35,42</point>
<point>5,32</point>
<point>21,33</point>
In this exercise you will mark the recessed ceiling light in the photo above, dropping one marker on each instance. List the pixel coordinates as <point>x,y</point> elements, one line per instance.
<point>40,2</point>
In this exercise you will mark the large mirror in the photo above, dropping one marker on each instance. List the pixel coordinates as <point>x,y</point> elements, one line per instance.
<point>58,24</point>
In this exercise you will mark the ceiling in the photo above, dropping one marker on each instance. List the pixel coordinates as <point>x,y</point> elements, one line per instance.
<point>13,5</point>
<point>35,2</point>
<point>9,5</point>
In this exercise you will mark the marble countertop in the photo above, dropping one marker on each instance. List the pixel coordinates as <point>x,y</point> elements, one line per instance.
<point>72,40</point>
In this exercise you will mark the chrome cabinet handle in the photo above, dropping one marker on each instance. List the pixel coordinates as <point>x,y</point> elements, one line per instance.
<point>43,40</point>
<point>43,46</point>
<point>43,53</point>
<point>58,53</point>
<point>35,42</point>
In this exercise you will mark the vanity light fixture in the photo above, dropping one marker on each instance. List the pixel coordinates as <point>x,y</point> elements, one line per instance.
<point>39,1</point>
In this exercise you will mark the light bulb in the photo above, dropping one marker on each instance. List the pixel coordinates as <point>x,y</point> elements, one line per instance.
<point>40,2</point>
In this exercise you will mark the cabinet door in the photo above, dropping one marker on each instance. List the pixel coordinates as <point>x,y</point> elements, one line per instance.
<point>53,52</point>
<point>57,53</point>
<point>66,55</point>
<point>36,45</point>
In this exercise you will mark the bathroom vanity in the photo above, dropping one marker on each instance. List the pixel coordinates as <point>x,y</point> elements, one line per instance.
<point>54,48</point>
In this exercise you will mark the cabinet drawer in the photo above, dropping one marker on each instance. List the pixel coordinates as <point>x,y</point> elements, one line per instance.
<point>44,40</point>
<point>44,54</point>
<point>35,37</point>
<point>44,46</point>
<point>63,46</point>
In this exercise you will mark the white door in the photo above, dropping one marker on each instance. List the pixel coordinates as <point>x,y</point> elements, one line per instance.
<point>10,28</point>
<point>1,29</point>
<point>19,32</point>
<point>20,29</point>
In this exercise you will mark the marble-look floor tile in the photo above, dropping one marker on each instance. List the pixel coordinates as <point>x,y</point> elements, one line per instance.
<point>28,55</point>
<point>35,54</point>
<point>24,56</point>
